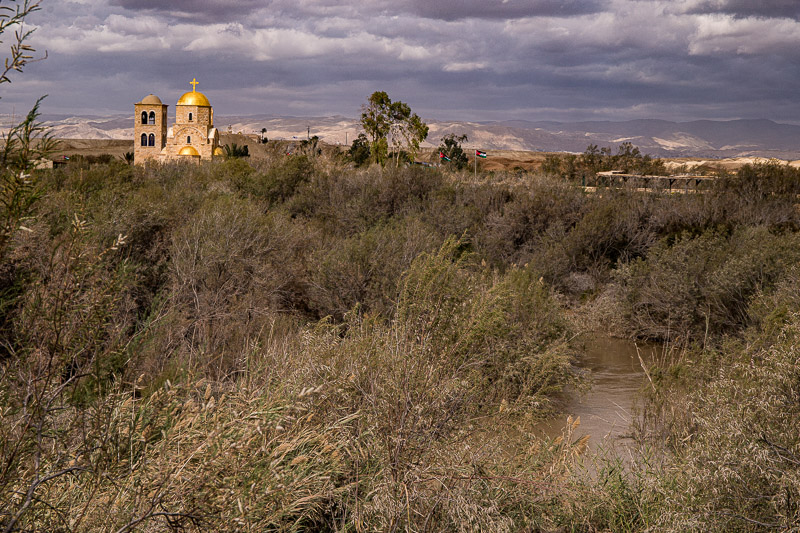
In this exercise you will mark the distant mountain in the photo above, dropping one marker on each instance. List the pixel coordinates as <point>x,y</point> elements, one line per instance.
<point>700,138</point>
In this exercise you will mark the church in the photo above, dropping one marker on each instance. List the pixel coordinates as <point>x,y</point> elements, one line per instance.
<point>192,138</point>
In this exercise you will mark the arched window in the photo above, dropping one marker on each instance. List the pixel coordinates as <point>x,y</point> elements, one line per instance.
<point>190,117</point>
<point>152,117</point>
<point>144,139</point>
<point>152,140</point>
<point>144,117</point>
<point>189,139</point>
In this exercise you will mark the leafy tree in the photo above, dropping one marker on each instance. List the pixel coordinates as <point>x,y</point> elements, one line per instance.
<point>407,130</point>
<point>236,151</point>
<point>359,150</point>
<point>382,118</point>
<point>377,123</point>
<point>451,148</point>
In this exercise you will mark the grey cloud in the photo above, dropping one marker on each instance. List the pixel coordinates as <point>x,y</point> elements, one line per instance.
<point>749,8</point>
<point>466,60</point>
<point>500,9</point>
<point>448,10</point>
<point>199,10</point>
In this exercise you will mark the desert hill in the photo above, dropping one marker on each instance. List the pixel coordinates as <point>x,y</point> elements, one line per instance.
<point>702,138</point>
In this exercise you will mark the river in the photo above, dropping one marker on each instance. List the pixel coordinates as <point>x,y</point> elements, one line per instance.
<point>616,377</point>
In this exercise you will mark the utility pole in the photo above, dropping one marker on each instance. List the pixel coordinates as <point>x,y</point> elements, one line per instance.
<point>308,133</point>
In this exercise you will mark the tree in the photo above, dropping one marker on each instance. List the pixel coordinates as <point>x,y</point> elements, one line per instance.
<point>377,123</point>
<point>236,151</point>
<point>264,139</point>
<point>382,118</point>
<point>407,129</point>
<point>311,146</point>
<point>451,149</point>
<point>359,150</point>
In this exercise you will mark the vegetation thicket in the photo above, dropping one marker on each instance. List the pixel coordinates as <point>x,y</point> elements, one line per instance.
<point>628,159</point>
<point>299,344</point>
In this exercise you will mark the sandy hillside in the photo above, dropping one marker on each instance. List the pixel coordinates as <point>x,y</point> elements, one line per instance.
<point>497,160</point>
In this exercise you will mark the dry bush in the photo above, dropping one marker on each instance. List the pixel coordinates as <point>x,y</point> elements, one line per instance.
<point>365,425</point>
<point>514,229</point>
<point>462,342</point>
<point>737,467</point>
<point>231,267</point>
<point>192,387</point>
<point>365,269</point>
<point>69,336</point>
<point>344,201</point>
<point>702,284</point>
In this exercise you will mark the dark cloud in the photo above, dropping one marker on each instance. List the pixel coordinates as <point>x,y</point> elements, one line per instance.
<point>448,10</point>
<point>200,10</point>
<point>749,8</point>
<point>499,9</point>
<point>461,60</point>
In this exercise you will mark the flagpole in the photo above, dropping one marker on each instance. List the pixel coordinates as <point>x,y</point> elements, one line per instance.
<point>475,155</point>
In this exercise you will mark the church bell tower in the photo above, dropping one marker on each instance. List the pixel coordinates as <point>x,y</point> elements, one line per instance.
<point>150,128</point>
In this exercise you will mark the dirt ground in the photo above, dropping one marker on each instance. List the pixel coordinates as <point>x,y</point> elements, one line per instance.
<point>497,160</point>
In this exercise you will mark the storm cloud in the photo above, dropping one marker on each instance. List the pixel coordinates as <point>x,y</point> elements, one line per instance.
<point>748,8</point>
<point>464,60</point>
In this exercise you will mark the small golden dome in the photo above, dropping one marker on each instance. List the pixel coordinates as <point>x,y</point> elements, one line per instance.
<point>194,98</point>
<point>219,151</point>
<point>189,150</point>
<point>151,99</point>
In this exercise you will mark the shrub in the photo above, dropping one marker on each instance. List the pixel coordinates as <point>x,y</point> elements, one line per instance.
<point>365,269</point>
<point>230,266</point>
<point>703,283</point>
<point>738,468</point>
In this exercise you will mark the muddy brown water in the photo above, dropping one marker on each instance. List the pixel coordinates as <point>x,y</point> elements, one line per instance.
<point>616,378</point>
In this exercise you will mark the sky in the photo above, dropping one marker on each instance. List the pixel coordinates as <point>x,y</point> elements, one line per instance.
<point>469,60</point>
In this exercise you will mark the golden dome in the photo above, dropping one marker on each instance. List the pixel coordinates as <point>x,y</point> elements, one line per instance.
<point>219,151</point>
<point>189,150</point>
<point>194,98</point>
<point>151,99</point>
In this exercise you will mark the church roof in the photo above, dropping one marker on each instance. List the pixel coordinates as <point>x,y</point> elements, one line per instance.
<point>194,98</point>
<point>151,99</point>
<point>188,150</point>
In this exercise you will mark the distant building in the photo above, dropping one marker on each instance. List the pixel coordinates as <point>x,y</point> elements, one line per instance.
<point>193,137</point>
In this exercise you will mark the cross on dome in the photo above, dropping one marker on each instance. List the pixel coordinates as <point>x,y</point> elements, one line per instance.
<point>194,84</point>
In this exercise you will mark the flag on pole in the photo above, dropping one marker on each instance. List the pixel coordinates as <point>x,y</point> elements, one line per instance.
<point>480,153</point>
<point>442,156</point>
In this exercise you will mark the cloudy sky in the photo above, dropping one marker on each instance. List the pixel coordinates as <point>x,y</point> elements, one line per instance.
<point>450,60</point>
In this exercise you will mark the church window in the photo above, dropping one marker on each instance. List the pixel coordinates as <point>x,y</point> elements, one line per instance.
<point>190,117</point>
<point>152,117</point>
<point>189,139</point>
<point>144,139</point>
<point>152,140</point>
<point>144,117</point>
